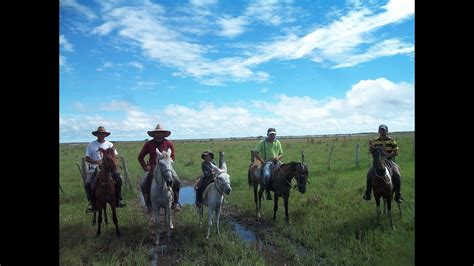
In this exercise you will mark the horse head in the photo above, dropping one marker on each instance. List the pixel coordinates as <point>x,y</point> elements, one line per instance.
<point>164,165</point>
<point>379,160</point>
<point>301,177</point>
<point>109,160</point>
<point>223,179</point>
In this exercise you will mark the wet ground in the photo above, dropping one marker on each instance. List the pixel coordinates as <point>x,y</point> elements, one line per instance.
<point>250,231</point>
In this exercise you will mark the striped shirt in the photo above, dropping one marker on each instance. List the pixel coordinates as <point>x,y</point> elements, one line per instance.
<point>390,144</point>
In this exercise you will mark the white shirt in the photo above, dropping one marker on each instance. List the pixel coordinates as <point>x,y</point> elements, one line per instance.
<point>92,151</point>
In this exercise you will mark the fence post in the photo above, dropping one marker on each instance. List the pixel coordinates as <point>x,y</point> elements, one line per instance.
<point>329,159</point>
<point>61,188</point>
<point>84,169</point>
<point>357,155</point>
<point>125,168</point>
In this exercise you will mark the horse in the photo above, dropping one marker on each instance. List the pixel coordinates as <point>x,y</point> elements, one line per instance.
<point>105,189</point>
<point>281,183</point>
<point>382,184</point>
<point>213,197</point>
<point>161,194</point>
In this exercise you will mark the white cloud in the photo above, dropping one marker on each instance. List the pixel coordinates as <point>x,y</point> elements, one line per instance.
<point>85,11</point>
<point>137,65</point>
<point>346,41</point>
<point>202,2</point>
<point>231,27</point>
<point>366,104</point>
<point>264,90</point>
<point>63,42</point>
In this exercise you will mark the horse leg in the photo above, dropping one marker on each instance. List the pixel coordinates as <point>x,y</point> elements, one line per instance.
<point>218,215</point>
<point>114,219</point>
<point>389,206</point>
<point>384,206</point>
<point>209,221</point>
<point>399,209</point>
<point>105,215</point>
<point>377,202</point>
<point>275,206</point>
<point>256,200</point>
<point>99,222</point>
<point>285,200</point>
<point>260,194</point>
<point>156,215</point>
<point>168,221</point>
<point>94,219</point>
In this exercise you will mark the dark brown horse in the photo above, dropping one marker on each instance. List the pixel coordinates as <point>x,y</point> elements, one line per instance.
<point>382,184</point>
<point>281,183</point>
<point>105,188</point>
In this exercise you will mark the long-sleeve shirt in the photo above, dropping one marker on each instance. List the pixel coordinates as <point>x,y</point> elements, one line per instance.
<point>150,148</point>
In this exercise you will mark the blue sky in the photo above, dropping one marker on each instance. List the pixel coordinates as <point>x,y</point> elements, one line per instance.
<point>211,69</point>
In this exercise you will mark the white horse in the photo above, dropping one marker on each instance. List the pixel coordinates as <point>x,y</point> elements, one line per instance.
<point>213,197</point>
<point>161,195</point>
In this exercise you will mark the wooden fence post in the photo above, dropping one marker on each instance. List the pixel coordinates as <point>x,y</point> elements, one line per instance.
<point>84,169</point>
<point>125,168</point>
<point>357,155</point>
<point>61,188</point>
<point>329,159</point>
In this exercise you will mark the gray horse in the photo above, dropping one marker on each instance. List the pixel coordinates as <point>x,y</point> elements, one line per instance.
<point>161,194</point>
<point>213,197</point>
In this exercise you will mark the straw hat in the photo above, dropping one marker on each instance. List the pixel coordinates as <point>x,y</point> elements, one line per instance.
<point>208,152</point>
<point>100,129</point>
<point>158,128</point>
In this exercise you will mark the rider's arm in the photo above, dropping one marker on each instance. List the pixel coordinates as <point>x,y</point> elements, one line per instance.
<point>141,157</point>
<point>89,160</point>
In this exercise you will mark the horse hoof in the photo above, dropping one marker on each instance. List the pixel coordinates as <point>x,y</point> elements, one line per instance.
<point>119,234</point>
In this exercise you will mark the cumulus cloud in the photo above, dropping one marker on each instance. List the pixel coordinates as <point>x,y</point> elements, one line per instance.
<point>365,105</point>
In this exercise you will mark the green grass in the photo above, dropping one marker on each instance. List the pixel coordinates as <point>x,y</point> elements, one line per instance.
<point>329,224</point>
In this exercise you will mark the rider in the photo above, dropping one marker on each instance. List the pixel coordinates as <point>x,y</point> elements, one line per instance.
<point>391,150</point>
<point>208,173</point>
<point>269,154</point>
<point>94,158</point>
<point>158,141</point>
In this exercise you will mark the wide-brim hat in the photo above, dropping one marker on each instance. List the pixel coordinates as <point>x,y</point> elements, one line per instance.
<point>207,153</point>
<point>158,128</point>
<point>100,129</point>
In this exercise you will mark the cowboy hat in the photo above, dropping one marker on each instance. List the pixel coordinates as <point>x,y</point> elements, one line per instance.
<point>100,129</point>
<point>207,153</point>
<point>158,128</point>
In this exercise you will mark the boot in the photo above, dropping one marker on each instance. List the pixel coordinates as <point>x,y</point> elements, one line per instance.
<point>198,198</point>
<point>398,197</point>
<point>91,207</point>
<point>176,205</point>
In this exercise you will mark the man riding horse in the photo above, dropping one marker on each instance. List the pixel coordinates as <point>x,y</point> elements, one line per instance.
<point>94,158</point>
<point>390,151</point>
<point>158,142</point>
<point>269,154</point>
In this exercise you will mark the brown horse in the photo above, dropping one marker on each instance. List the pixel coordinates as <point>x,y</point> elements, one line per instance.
<point>105,188</point>
<point>281,183</point>
<point>382,184</point>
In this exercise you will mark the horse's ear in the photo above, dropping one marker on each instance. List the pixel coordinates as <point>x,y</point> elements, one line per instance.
<point>160,155</point>
<point>224,167</point>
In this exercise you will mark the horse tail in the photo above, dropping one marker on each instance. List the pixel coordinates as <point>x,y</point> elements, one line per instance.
<point>249,177</point>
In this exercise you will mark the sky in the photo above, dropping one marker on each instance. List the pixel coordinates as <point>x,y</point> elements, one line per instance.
<point>218,69</point>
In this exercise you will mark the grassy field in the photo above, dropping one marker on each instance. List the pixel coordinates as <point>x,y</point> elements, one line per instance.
<point>330,224</point>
